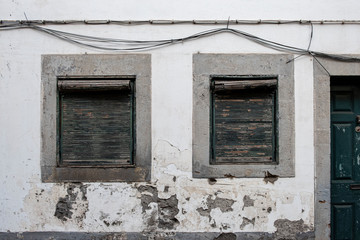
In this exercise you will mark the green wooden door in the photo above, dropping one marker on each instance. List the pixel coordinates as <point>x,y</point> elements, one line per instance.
<point>345,160</point>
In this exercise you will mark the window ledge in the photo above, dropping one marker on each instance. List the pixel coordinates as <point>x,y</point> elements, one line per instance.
<point>94,174</point>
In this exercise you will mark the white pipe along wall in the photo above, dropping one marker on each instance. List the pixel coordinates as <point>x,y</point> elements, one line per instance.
<point>172,204</point>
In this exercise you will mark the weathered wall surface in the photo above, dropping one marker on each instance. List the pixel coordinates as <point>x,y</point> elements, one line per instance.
<point>173,201</point>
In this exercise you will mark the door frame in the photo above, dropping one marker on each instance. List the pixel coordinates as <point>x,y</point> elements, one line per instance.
<point>322,137</point>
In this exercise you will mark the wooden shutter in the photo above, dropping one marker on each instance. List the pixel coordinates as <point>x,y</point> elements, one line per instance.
<point>243,121</point>
<point>96,122</point>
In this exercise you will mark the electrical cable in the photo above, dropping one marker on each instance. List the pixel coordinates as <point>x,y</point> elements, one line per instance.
<point>171,22</point>
<point>115,44</point>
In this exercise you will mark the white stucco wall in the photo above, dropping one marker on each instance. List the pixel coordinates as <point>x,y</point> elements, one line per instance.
<point>27,204</point>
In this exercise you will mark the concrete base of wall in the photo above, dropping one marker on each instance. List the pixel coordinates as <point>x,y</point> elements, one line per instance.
<point>154,236</point>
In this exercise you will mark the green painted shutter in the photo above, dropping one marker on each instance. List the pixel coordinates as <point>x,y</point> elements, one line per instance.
<point>243,121</point>
<point>95,122</point>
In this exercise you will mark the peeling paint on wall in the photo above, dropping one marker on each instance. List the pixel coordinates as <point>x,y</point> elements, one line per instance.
<point>291,230</point>
<point>149,208</point>
<point>215,202</point>
<point>270,177</point>
<point>162,211</point>
<point>74,201</point>
<point>247,221</point>
<point>248,202</point>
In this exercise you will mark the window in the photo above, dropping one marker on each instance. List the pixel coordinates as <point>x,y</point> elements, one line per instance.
<point>95,122</point>
<point>243,123</point>
<point>243,115</point>
<point>96,118</point>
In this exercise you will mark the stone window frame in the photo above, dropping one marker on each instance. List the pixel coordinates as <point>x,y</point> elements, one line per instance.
<point>278,65</point>
<point>322,136</point>
<point>96,65</point>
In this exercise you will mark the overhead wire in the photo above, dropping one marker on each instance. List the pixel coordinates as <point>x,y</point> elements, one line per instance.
<point>126,45</point>
<point>309,45</point>
<point>167,22</point>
